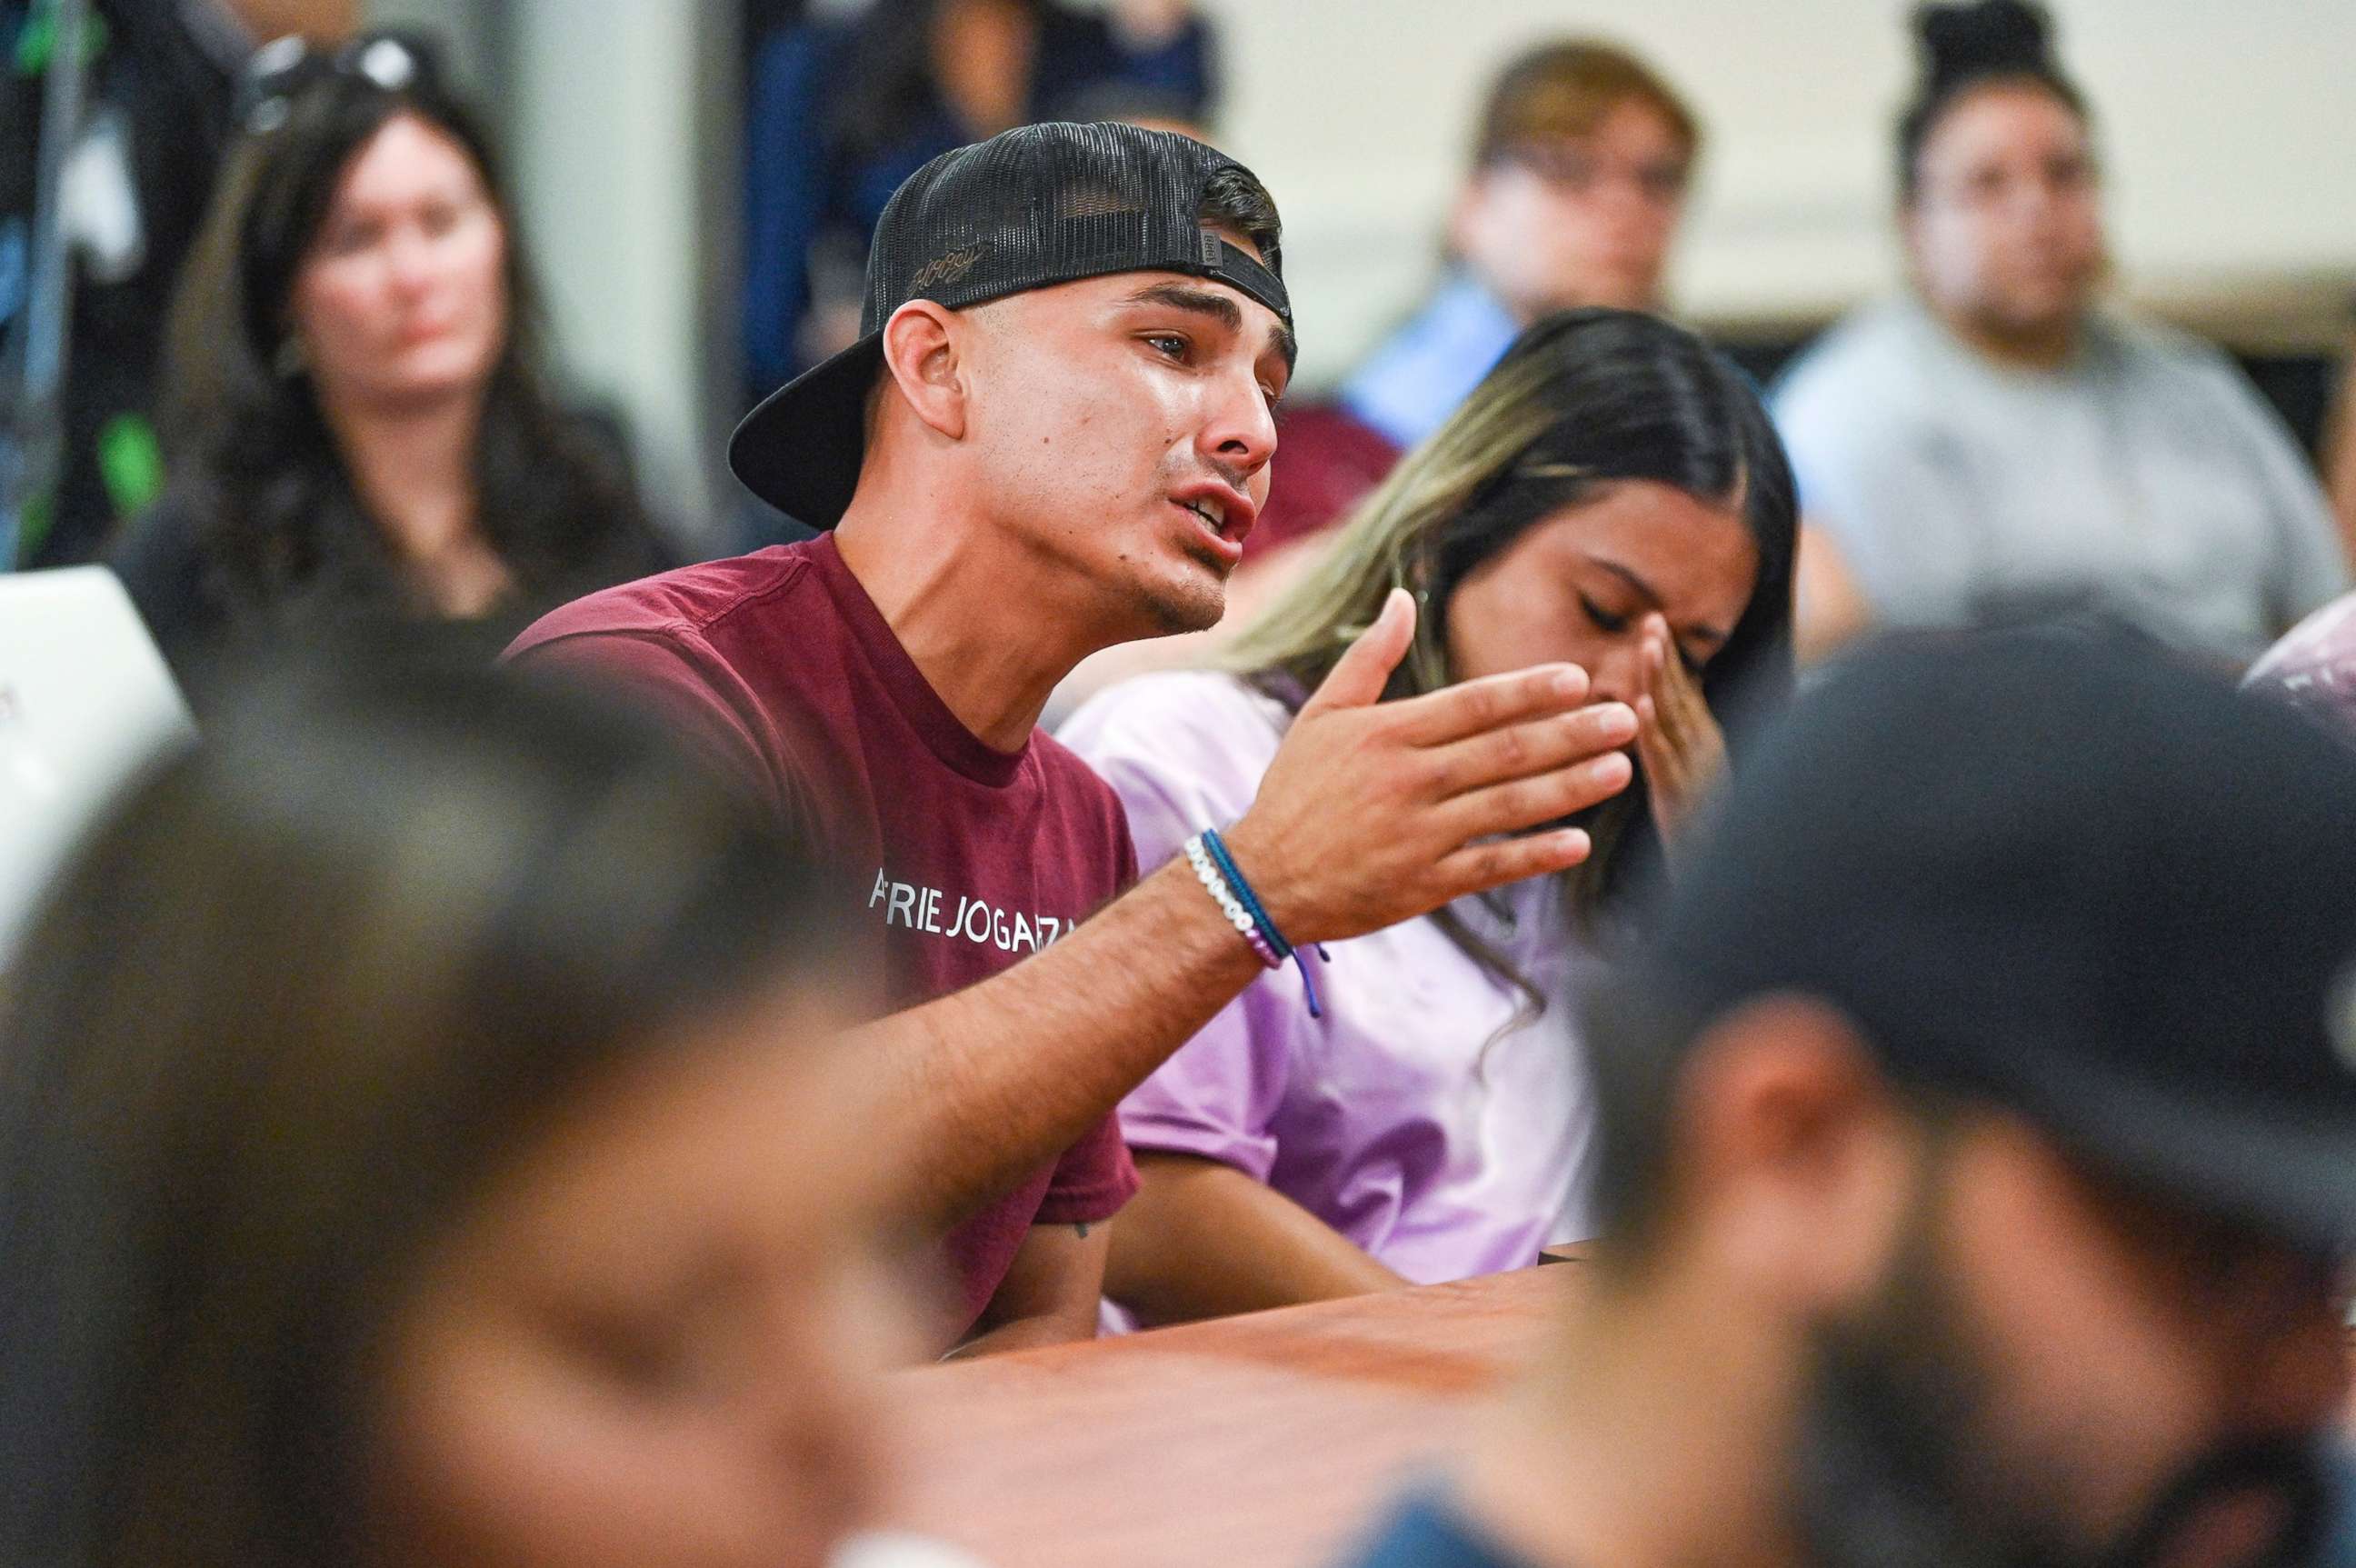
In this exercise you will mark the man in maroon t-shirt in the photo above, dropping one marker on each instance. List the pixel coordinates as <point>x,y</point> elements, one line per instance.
<point>1052,437</point>
<point>784,667</point>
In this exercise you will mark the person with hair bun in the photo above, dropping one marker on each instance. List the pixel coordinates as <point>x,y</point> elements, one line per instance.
<point>1997,440</point>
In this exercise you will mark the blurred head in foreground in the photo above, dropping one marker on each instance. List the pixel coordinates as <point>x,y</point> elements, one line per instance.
<point>422,1148</point>
<point>1977,1141</point>
<point>1994,1090</point>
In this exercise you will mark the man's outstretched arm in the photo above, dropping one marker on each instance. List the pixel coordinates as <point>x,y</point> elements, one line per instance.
<point>1371,814</point>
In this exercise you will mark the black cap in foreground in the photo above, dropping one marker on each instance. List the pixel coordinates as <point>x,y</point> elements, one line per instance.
<point>1032,207</point>
<point>2056,870</point>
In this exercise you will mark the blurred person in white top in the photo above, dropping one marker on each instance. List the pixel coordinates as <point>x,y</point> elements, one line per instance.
<point>1997,441</point>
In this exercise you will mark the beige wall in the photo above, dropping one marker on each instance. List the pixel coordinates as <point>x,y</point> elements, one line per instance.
<point>606,109</point>
<point>604,99</point>
<point>2229,127</point>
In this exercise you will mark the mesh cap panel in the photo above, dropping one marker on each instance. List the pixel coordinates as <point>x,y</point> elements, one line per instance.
<point>1033,207</point>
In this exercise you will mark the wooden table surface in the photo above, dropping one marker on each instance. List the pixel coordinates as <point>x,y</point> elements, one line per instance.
<point>1268,1441</point>
<point>1259,1442</point>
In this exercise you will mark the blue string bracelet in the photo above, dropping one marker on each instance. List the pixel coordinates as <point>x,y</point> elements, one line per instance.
<point>1230,905</point>
<point>1217,848</point>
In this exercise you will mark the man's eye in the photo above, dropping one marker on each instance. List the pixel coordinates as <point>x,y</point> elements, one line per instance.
<point>1168,343</point>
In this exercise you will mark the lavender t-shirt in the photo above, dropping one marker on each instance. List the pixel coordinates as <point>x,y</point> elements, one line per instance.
<point>1418,1119</point>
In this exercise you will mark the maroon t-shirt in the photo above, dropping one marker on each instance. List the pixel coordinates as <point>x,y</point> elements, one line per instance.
<point>1327,458</point>
<point>780,666</point>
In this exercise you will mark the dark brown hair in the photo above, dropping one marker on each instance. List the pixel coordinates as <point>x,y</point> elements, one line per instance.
<point>282,1017</point>
<point>1978,44</point>
<point>1234,198</point>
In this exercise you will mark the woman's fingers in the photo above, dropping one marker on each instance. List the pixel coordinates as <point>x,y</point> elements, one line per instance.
<point>1678,743</point>
<point>1657,713</point>
<point>1658,756</point>
<point>1676,693</point>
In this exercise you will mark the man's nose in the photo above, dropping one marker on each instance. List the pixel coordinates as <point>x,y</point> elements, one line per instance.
<point>1240,436</point>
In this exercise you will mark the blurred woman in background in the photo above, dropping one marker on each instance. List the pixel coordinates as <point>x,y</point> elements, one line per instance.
<point>355,418</point>
<point>1611,496</point>
<point>420,1148</point>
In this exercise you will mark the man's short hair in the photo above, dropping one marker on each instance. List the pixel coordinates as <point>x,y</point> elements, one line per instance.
<point>1562,91</point>
<point>1234,199</point>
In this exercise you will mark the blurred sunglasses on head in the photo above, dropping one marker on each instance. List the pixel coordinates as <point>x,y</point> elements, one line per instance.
<point>284,68</point>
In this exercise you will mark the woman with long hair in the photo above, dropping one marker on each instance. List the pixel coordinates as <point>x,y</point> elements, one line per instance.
<point>1611,496</point>
<point>415,1129</point>
<point>356,421</point>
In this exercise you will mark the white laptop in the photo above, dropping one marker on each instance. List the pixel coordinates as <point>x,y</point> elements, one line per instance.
<point>85,699</point>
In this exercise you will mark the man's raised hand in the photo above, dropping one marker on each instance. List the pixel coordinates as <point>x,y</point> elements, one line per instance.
<point>1376,813</point>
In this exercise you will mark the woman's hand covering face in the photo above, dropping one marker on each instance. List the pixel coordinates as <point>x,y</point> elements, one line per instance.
<point>1678,743</point>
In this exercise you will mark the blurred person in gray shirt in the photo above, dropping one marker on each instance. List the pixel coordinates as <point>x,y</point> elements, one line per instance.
<point>1994,439</point>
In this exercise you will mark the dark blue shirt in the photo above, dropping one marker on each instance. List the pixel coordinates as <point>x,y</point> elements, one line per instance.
<point>1426,1531</point>
<point>802,189</point>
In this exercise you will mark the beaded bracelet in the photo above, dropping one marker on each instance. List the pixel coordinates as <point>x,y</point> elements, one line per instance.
<point>1237,916</point>
<point>1216,870</point>
<point>1217,848</point>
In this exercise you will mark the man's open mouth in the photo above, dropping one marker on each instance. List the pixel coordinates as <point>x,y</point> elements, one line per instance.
<point>1226,516</point>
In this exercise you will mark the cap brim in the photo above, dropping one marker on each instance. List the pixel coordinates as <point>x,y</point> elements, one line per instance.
<point>800,448</point>
<point>2293,1175</point>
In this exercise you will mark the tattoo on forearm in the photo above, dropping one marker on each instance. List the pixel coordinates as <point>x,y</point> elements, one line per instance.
<point>1082,1229</point>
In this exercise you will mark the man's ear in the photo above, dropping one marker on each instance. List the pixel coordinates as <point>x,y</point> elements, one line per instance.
<point>1800,1162</point>
<point>923,348</point>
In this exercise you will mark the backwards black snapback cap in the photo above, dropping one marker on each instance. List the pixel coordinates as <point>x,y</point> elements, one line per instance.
<point>2057,870</point>
<point>1032,207</point>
